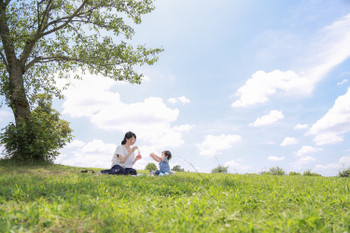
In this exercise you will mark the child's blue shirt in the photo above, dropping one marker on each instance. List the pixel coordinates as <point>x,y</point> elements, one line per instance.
<point>164,166</point>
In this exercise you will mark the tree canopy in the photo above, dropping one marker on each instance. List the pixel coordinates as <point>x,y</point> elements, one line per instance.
<point>42,40</point>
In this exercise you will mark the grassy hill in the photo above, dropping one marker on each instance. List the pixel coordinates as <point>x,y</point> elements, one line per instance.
<point>56,198</point>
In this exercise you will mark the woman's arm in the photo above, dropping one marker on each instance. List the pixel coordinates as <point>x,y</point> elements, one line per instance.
<point>135,159</point>
<point>124,158</point>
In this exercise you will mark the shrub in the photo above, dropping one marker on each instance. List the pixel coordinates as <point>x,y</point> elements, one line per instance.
<point>220,169</point>
<point>151,167</point>
<point>276,171</point>
<point>309,173</point>
<point>40,137</point>
<point>344,173</point>
<point>294,173</point>
<point>178,168</point>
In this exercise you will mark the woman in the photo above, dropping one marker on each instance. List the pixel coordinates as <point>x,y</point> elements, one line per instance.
<point>124,157</point>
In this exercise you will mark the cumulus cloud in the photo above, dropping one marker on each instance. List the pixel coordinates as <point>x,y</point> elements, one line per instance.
<point>275,158</point>
<point>151,118</point>
<point>262,85</point>
<point>333,168</point>
<point>302,163</point>
<point>181,99</point>
<point>95,153</point>
<point>301,126</point>
<point>334,124</point>
<point>98,154</point>
<point>329,48</point>
<point>289,141</point>
<point>213,145</point>
<point>268,119</point>
<point>306,150</point>
<point>237,166</point>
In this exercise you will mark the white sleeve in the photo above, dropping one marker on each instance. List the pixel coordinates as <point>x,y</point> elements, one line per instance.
<point>119,151</point>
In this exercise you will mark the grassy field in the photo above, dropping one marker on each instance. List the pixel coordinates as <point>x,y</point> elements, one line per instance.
<point>55,198</point>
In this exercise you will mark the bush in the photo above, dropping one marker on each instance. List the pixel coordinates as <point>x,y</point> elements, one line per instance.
<point>275,171</point>
<point>151,167</point>
<point>38,138</point>
<point>344,173</point>
<point>309,173</point>
<point>220,169</point>
<point>177,168</point>
<point>294,173</point>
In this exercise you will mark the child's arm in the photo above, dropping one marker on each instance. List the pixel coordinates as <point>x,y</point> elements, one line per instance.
<point>155,157</point>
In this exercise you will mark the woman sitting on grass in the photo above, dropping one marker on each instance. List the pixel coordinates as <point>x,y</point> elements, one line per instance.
<point>124,157</point>
<point>164,168</point>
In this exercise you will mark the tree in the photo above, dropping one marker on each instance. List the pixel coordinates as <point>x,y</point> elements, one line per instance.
<point>151,167</point>
<point>309,173</point>
<point>46,39</point>
<point>276,171</point>
<point>344,172</point>
<point>220,169</point>
<point>178,168</point>
<point>47,132</point>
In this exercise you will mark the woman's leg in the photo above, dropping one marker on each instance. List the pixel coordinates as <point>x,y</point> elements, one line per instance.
<point>118,170</point>
<point>130,171</point>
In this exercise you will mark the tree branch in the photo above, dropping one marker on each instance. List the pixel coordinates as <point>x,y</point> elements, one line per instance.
<point>44,15</point>
<point>4,61</point>
<point>29,46</point>
<point>68,20</point>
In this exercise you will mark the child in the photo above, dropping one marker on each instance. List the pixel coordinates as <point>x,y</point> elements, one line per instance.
<point>164,168</point>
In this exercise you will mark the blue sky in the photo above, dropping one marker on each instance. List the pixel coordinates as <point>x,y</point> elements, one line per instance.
<point>246,84</point>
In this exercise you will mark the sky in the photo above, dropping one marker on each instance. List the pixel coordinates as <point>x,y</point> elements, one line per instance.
<point>245,84</point>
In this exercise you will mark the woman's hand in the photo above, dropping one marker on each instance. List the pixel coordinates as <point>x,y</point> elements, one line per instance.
<point>134,148</point>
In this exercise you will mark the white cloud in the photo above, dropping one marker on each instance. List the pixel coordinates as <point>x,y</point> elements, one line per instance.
<point>342,82</point>
<point>306,160</point>
<point>334,124</point>
<point>306,150</point>
<point>329,48</point>
<point>302,163</point>
<point>75,144</point>
<point>213,145</point>
<point>334,168</point>
<point>95,153</point>
<point>262,85</point>
<point>275,158</point>
<point>181,99</point>
<point>289,141</point>
<point>98,154</point>
<point>301,126</point>
<point>268,119</point>
<point>237,166</point>
<point>151,119</point>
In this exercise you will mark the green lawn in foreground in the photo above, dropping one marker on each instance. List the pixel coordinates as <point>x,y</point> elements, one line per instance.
<point>55,198</point>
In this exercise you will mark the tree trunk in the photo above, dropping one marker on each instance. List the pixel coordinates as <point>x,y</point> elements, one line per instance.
<point>18,99</point>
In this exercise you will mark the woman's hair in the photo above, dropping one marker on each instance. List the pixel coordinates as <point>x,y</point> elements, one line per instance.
<point>167,153</point>
<point>128,135</point>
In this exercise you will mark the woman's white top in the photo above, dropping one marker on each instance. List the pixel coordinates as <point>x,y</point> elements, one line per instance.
<point>121,150</point>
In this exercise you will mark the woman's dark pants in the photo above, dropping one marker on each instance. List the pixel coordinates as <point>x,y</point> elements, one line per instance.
<point>118,170</point>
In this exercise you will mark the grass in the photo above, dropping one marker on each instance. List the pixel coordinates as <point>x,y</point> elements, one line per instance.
<point>56,198</point>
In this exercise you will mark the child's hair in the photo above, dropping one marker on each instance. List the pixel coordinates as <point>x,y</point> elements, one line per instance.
<point>167,153</point>
<point>128,135</point>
